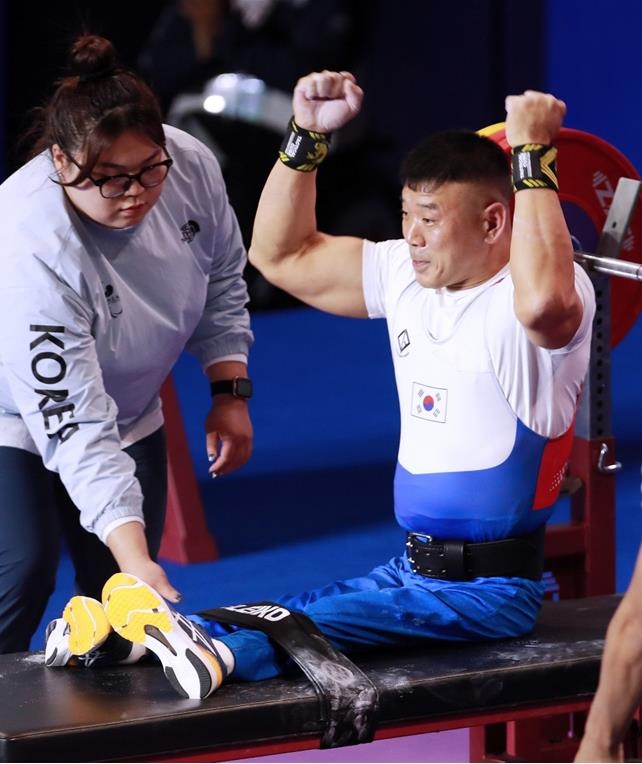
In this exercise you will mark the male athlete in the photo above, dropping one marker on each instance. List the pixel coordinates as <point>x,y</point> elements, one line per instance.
<point>489,322</point>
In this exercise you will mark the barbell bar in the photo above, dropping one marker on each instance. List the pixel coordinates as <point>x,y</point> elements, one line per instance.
<point>610,266</point>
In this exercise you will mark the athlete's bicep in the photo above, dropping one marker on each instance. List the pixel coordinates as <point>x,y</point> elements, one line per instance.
<point>326,273</point>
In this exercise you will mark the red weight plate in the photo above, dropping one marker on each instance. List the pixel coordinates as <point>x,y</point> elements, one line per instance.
<point>588,170</point>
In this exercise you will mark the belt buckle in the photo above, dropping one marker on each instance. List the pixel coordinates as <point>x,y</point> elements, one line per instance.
<point>421,538</point>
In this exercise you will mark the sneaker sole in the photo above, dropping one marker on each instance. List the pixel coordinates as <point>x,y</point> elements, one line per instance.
<point>88,624</point>
<point>57,651</point>
<point>138,613</point>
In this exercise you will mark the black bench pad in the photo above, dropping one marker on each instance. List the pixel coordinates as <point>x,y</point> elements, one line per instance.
<point>132,712</point>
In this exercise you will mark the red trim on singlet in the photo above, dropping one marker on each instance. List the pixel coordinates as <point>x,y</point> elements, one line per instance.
<point>552,469</point>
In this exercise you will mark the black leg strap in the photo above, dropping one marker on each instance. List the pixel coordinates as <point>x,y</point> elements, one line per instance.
<point>348,700</point>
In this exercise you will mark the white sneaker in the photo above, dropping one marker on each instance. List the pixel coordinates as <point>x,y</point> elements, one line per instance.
<point>57,652</point>
<point>191,659</point>
<point>83,636</point>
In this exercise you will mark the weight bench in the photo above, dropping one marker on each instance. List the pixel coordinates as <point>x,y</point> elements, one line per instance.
<point>131,713</point>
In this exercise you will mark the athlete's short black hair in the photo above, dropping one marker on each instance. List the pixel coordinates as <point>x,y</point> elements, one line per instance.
<point>452,156</point>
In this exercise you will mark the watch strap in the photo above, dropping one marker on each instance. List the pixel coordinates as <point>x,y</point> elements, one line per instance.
<point>240,387</point>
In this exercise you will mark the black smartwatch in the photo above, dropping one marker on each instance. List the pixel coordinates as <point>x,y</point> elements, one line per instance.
<point>240,387</point>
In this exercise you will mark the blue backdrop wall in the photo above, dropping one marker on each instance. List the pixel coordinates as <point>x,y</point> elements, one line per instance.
<point>594,61</point>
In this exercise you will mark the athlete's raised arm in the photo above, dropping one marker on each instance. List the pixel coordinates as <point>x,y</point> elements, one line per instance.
<point>287,248</point>
<point>541,255</point>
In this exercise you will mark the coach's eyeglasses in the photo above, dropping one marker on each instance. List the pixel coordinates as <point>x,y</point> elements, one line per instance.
<point>113,186</point>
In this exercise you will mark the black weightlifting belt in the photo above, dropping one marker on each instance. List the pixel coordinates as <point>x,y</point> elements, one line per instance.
<point>462,561</point>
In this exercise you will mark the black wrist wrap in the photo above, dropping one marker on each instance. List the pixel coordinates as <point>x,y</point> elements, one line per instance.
<point>302,149</point>
<point>534,166</point>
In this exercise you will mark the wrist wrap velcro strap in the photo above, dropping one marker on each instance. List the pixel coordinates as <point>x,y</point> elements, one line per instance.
<point>348,700</point>
<point>534,166</point>
<point>302,149</point>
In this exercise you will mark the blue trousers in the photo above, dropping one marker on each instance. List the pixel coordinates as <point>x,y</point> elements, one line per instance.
<point>392,606</point>
<point>36,514</point>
